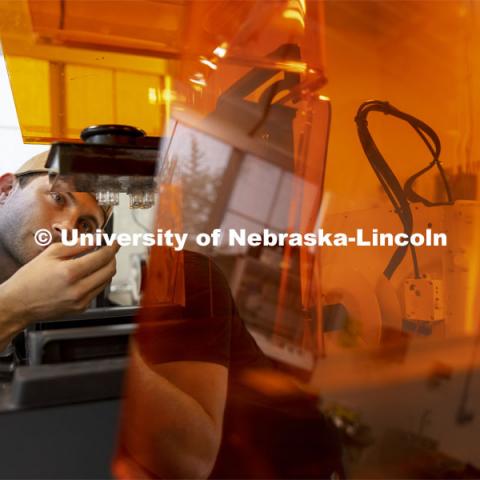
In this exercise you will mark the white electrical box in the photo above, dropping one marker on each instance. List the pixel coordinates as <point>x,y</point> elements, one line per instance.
<point>424,299</point>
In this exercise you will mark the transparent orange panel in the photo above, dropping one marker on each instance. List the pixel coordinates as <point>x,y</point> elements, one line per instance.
<point>406,356</point>
<point>135,35</point>
<point>245,152</point>
<point>76,83</point>
<point>32,97</point>
<point>89,97</point>
<point>138,100</point>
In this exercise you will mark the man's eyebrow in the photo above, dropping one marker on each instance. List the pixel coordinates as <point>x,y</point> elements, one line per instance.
<point>72,198</point>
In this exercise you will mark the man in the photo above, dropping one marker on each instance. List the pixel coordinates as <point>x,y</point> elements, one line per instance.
<point>202,400</point>
<point>42,283</point>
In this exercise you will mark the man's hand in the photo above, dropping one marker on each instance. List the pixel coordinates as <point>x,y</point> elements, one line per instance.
<point>55,283</point>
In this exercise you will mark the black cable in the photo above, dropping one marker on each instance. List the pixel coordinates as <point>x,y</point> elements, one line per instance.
<point>399,196</point>
<point>387,179</point>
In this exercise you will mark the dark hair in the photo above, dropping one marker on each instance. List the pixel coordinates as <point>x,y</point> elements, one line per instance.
<point>26,178</point>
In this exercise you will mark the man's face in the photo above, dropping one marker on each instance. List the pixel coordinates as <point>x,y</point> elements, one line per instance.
<point>24,210</point>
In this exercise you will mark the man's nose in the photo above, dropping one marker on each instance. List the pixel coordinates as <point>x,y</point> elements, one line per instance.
<point>64,224</point>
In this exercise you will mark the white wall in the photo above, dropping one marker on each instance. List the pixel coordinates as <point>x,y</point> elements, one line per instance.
<point>13,152</point>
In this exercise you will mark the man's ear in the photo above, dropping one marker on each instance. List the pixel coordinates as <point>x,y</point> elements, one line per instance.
<point>8,181</point>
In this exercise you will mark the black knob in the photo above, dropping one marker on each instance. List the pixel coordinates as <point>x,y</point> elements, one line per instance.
<point>111,134</point>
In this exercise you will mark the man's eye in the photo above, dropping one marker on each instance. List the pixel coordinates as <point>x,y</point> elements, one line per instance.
<point>57,198</point>
<point>85,226</point>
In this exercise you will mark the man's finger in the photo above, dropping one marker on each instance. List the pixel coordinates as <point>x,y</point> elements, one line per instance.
<point>60,250</point>
<point>92,294</point>
<point>97,279</point>
<point>88,264</point>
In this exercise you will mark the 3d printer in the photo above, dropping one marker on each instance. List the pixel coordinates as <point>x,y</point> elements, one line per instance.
<point>190,58</point>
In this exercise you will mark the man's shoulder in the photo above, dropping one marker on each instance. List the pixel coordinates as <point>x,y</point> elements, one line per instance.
<point>200,267</point>
<point>193,257</point>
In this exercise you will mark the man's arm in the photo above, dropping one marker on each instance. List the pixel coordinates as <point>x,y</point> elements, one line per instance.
<point>173,417</point>
<point>55,283</point>
<point>9,324</point>
<point>176,388</point>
